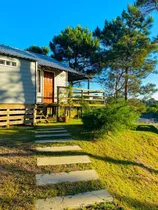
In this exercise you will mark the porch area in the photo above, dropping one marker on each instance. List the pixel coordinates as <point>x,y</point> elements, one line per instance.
<point>69,103</point>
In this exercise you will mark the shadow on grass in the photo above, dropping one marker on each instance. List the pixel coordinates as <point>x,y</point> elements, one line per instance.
<point>148,128</point>
<point>123,162</point>
<point>79,132</point>
<point>133,203</point>
<point>105,159</point>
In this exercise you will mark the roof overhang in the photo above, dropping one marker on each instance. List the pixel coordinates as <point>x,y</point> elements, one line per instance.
<point>72,75</point>
<point>77,76</point>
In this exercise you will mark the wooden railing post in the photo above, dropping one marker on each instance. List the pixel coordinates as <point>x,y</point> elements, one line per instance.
<point>58,92</point>
<point>104,97</point>
<point>34,114</point>
<point>82,95</point>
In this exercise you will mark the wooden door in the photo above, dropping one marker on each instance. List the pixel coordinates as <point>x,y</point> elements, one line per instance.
<point>48,87</point>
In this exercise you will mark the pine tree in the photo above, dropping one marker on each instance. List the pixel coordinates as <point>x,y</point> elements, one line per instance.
<point>39,50</point>
<point>127,50</point>
<point>147,5</point>
<point>76,47</point>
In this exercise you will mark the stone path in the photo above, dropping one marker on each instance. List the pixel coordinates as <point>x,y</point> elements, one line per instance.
<point>52,135</point>
<point>53,131</point>
<point>58,149</point>
<point>75,201</point>
<point>74,176</point>
<point>49,128</point>
<point>54,140</point>
<point>52,161</point>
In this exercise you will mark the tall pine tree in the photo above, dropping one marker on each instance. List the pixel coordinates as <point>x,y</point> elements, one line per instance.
<point>128,51</point>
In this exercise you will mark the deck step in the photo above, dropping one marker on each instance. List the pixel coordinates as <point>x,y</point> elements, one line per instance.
<point>52,135</point>
<point>44,161</point>
<point>54,140</point>
<point>75,201</point>
<point>58,149</point>
<point>74,176</point>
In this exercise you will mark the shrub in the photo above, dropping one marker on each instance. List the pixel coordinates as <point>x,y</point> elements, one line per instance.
<point>114,117</point>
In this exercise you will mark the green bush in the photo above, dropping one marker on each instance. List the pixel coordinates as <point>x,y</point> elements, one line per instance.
<point>114,117</point>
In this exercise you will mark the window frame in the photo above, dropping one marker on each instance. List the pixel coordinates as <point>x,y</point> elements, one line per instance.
<point>11,63</point>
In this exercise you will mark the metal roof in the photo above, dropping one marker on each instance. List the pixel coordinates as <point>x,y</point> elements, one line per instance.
<point>42,60</point>
<point>7,50</point>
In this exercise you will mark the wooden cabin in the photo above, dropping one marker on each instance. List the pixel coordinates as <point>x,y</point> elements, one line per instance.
<point>30,80</point>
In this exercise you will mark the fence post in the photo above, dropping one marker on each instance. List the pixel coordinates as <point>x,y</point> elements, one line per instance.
<point>34,114</point>
<point>7,117</point>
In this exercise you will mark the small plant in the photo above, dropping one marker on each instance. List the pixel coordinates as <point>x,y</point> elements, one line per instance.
<point>114,117</point>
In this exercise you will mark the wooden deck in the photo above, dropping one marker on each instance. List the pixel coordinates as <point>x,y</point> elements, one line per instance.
<point>69,104</point>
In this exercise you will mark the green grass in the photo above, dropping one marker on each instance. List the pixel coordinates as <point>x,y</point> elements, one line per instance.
<point>126,163</point>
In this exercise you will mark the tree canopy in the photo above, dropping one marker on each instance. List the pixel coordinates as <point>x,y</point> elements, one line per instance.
<point>127,52</point>
<point>37,49</point>
<point>147,5</point>
<point>76,47</point>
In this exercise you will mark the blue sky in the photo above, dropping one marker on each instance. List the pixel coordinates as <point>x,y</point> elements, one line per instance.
<point>24,23</point>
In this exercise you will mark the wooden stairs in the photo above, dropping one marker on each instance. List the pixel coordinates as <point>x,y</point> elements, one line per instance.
<point>41,115</point>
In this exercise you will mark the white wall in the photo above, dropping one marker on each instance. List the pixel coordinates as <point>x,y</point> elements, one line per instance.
<point>17,84</point>
<point>61,79</point>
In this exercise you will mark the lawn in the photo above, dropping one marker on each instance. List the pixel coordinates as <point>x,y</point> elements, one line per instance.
<point>126,163</point>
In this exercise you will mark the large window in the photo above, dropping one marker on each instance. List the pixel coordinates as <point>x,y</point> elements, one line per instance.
<point>38,81</point>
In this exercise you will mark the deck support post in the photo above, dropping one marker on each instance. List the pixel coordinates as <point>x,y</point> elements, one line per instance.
<point>34,114</point>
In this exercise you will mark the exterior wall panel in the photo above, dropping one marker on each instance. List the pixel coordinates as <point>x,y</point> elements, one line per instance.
<point>17,84</point>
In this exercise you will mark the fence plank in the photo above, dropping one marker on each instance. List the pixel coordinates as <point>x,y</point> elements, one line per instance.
<point>3,112</point>
<point>16,106</point>
<point>3,123</point>
<point>15,114</point>
<point>17,122</point>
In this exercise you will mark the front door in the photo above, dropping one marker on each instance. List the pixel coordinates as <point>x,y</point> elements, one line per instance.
<point>48,87</point>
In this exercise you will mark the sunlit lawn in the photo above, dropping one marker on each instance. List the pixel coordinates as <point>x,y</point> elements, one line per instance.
<point>127,164</point>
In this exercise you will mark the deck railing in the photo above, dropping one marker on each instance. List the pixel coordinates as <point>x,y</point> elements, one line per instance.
<point>77,96</point>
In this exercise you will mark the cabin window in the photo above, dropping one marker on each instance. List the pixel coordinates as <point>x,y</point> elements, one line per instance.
<point>2,62</point>
<point>8,63</point>
<point>13,63</point>
<point>39,81</point>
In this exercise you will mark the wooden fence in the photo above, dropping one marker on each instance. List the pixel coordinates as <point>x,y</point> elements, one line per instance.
<point>17,114</point>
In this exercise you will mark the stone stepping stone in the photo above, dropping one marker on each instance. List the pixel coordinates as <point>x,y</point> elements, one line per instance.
<point>75,201</point>
<point>49,128</point>
<point>52,135</point>
<point>74,176</point>
<point>58,149</point>
<point>53,140</point>
<point>44,161</point>
<point>51,131</point>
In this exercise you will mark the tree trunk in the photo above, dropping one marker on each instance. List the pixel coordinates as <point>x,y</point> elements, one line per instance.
<point>126,84</point>
<point>116,88</point>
